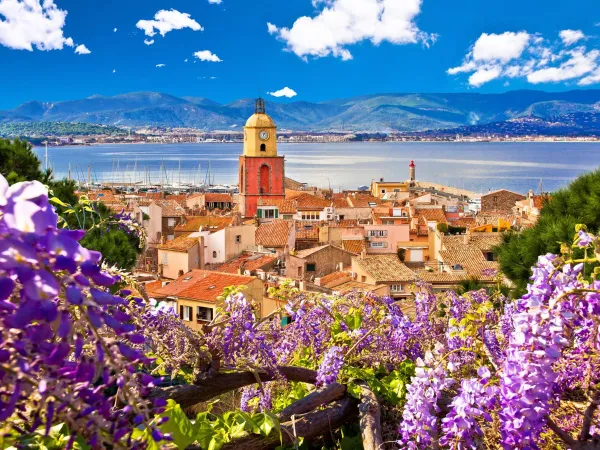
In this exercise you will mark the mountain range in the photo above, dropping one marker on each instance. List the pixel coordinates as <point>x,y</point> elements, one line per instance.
<point>408,112</point>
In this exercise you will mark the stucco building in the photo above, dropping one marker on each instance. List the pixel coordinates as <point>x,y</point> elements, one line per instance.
<point>317,262</point>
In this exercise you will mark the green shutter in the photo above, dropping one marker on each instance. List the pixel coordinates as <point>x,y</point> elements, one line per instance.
<point>259,213</point>
<point>277,213</point>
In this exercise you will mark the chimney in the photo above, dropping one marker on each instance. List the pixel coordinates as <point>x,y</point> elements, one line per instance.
<point>341,267</point>
<point>466,237</point>
<point>162,240</point>
<point>318,281</point>
<point>363,253</point>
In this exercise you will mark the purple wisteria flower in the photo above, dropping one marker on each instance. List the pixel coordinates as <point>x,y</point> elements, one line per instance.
<point>330,367</point>
<point>584,239</point>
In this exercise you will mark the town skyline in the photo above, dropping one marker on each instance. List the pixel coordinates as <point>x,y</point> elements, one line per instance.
<point>193,48</point>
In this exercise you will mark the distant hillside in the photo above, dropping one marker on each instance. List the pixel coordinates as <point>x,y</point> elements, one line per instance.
<point>377,112</point>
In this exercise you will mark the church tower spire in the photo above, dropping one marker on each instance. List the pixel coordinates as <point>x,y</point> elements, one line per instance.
<point>262,171</point>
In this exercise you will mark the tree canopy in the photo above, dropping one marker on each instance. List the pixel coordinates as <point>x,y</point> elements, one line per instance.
<point>579,203</point>
<point>18,162</point>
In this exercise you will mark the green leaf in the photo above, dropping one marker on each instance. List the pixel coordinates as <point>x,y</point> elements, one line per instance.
<point>204,434</point>
<point>354,390</point>
<point>58,201</point>
<point>179,426</point>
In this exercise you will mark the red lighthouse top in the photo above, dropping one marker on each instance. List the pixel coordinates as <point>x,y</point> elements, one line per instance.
<point>412,163</point>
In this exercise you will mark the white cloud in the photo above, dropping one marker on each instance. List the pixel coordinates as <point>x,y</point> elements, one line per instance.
<point>115,30</point>
<point>570,37</point>
<point>579,64</point>
<point>285,92</point>
<point>500,47</point>
<point>215,2</point>
<point>161,65</point>
<point>341,23</point>
<point>529,56</point>
<point>114,70</point>
<point>148,41</point>
<point>207,55</point>
<point>30,23</point>
<point>185,60</point>
<point>592,78</point>
<point>82,50</point>
<point>165,21</point>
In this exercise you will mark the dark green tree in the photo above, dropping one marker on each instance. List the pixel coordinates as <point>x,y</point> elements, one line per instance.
<point>116,246</point>
<point>579,203</point>
<point>18,162</point>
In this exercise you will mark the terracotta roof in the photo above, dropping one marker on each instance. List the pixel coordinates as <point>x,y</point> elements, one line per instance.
<point>208,223</point>
<point>202,285</point>
<point>335,279</point>
<point>293,184</point>
<point>170,208</point>
<point>385,268</point>
<point>284,206</point>
<point>440,277</point>
<point>311,251</point>
<point>340,202</point>
<point>467,251</point>
<point>363,201</point>
<point>491,217</point>
<point>274,234</point>
<point>431,215</point>
<point>291,194</point>
<point>354,246</point>
<point>346,223</point>
<point>466,222</point>
<point>306,230</point>
<point>538,200</point>
<point>250,262</point>
<point>311,202</point>
<point>217,198</point>
<point>497,191</point>
<point>179,198</point>
<point>152,287</point>
<point>105,195</point>
<point>483,241</point>
<point>180,244</point>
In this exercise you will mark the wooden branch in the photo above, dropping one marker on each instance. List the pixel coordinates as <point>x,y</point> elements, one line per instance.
<point>562,434</point>
<point>203,390</point>
<point>588,416</point>
<point>309,426</point>
<point>313,400</point>
<point>369,413</point>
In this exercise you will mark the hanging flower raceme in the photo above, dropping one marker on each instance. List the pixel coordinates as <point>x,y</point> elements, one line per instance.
<point>65,339</point>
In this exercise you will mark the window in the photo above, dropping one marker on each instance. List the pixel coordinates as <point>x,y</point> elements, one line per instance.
<point>265,179</point>
<point>164,259</point>
<point>203,313</point>
<point>263,148</point>
<point>238,239</point>
<point>383,191</point>
<point>269,213</point>
<point>396,288</point>
<point>215,254</point>
<point>379,245</point>
<point>387,221</point>
<point>171,221</point>
<point>490,256</point>
<point>312,267</point>
<point>363,279</point>
<point>378,233</point>
<point>311,215</point>
<point>299,271</point>
<point>187,313</point>
<point>341,217</point>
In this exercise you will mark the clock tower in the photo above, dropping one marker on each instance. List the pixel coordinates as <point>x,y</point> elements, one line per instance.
<point>262,172</point>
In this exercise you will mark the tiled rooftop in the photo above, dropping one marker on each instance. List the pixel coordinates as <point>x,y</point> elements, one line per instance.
<point>353,245</point>
<point>284,206</point>
<point>217,198</point>
<point>335,279</point>
<point>170,208</point>
<point>363,201</point>
<point>249,261</point>
<point>180,244</point>
<point>431,215</point>
<point>274,234</point>
<point>202,285</point>
<point>310,202</point>
<point>385,268</point>
<point>307,231</point>
<point>310,251</point>
<point>208,223</point>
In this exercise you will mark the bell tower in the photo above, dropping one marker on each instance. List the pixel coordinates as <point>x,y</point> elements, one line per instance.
<point>262,171</point>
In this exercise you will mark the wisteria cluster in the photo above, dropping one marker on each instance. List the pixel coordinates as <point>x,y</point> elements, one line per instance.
<point>130,226</point>
<point>70,348</point>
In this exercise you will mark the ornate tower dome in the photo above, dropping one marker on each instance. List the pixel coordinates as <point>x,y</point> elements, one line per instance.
<point>260,133</point>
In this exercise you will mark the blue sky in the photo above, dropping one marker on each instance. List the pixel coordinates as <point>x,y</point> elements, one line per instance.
<point>319,49</point>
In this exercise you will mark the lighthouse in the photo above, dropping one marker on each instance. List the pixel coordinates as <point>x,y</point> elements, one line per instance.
<point>411,172</point>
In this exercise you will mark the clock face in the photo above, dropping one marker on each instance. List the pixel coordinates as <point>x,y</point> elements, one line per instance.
<point>264,135</point>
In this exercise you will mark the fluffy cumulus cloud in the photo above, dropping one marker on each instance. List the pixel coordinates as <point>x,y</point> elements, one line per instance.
<point>530,56</point>
<point>161,65</point>
<point>82,50</point>
<point>166,21</point>
<point>285,92</point>
<point>25,24</point>
<point>340,23</point>
<point>571,36</point>
<point>207,55</point>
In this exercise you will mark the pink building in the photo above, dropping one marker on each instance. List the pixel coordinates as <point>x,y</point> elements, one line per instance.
<point>385,238</point>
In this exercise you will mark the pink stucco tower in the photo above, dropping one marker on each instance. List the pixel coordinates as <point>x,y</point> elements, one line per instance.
<point>262,171</point>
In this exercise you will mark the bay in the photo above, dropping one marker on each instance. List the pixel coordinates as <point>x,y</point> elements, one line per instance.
<point>477,167</point>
